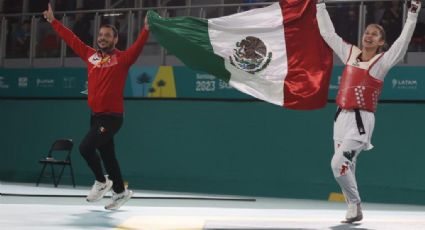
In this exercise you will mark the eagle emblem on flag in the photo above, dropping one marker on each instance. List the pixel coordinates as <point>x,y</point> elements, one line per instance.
<point>251,55</point>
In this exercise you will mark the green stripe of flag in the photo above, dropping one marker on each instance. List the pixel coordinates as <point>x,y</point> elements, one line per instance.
<point>188,39</point>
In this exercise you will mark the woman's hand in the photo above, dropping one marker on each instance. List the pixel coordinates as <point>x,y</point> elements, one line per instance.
<point>415,6</point>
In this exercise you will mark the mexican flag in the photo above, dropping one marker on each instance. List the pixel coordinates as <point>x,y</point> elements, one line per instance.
<point>275,53</point>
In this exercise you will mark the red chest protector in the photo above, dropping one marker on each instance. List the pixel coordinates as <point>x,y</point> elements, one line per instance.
<point>358,89</point>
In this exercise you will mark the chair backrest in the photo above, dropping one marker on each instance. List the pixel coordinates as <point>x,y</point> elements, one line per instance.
<point>62,145</point>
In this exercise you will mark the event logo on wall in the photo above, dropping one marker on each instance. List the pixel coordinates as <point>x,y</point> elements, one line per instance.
<point>45,83</point>
<point>23,82</point>
<point>205,82</point>
<point>209,83</point>
<point>3,83</point>
<point>69,82</point>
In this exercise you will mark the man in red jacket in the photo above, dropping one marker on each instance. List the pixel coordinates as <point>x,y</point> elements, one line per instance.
<point>107,71</point>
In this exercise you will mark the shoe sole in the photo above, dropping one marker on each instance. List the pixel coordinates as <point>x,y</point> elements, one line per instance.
<point>352,220</point>
<point>106,191</point>
<point>122,202</point>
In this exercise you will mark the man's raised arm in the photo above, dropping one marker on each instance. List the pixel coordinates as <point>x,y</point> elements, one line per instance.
<point>79,47</point>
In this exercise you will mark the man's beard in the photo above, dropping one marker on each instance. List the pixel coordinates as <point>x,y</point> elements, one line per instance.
<point>107,49</point>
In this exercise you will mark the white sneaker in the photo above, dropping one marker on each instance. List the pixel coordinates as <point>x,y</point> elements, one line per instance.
<point>354,213</point>
<point>98,190</point>
<point>118,199</point>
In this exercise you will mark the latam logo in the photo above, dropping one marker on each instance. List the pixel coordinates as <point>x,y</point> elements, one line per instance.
<point>405,84</point>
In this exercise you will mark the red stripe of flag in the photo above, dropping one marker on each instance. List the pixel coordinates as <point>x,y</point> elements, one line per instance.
<point>309,57</point>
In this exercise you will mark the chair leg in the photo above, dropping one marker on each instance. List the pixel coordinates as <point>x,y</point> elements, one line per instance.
<point>53,174</point>
<point>60,175</point>
<point>41,174</point>
<point>72,175</point>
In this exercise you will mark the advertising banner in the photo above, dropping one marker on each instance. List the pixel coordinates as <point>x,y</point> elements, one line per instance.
<point>401,83</point>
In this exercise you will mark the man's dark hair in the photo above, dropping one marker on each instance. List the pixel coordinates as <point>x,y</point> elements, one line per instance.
<point>114,29</point>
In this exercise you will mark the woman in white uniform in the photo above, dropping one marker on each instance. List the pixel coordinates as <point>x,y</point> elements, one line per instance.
<point>357,98</point>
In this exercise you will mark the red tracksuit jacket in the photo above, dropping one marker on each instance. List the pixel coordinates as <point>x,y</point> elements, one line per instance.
<point>106,73</point>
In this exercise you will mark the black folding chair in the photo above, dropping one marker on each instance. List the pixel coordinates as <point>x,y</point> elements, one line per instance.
<point>64,146</point>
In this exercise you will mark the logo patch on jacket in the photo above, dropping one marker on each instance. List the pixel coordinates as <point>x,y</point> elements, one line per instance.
<point>103,62</point>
